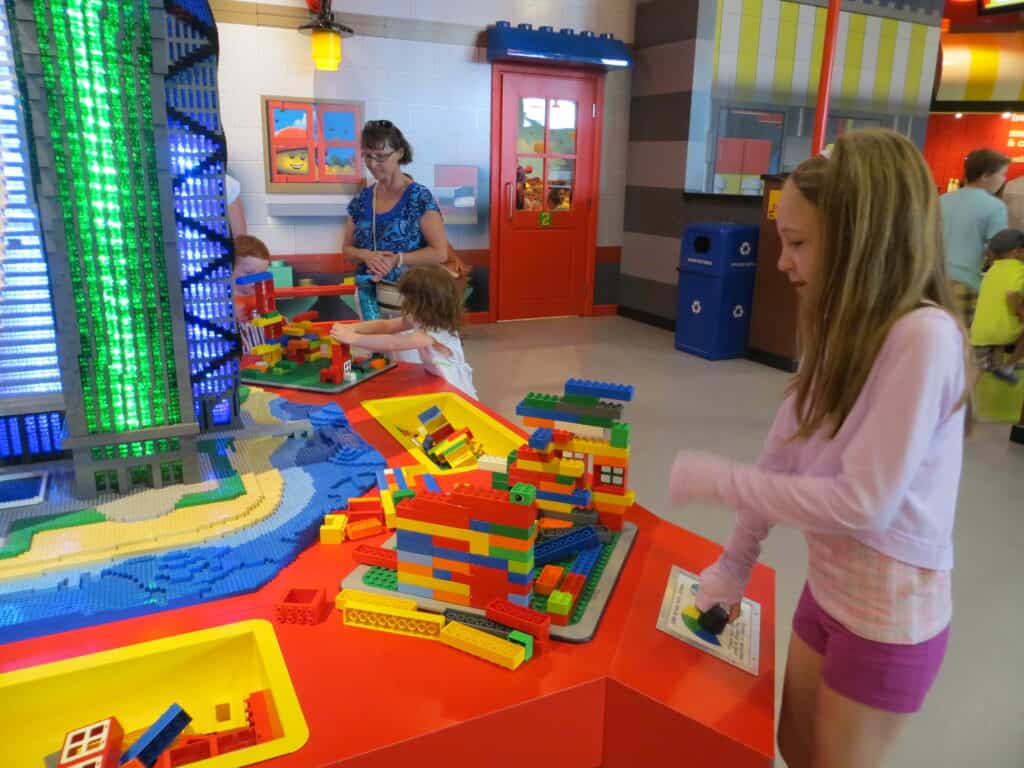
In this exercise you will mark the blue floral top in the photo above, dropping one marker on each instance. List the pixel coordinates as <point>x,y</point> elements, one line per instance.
<point>398,230</point>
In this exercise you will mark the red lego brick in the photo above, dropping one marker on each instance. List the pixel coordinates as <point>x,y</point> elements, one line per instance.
<point>559,436</point>
<point>362,504</point>
<point>516,475</point>
<point>558,620</point>
<point>302,606</point>
<point>261,713</point>
<point>494,507</point>
<point>524,619</point>
<point>368,554</point>
<point>612,522</point>
<point>194,750</point>
<point>574,584</point>
<point>312,316</point>
<point>442,433</point>
<point>240,738</point>
<point>529,454</point>
<point>433,508</point>
<point>458,546</point>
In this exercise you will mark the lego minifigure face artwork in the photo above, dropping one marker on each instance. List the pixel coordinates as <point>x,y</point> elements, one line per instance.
<point>293,162</point>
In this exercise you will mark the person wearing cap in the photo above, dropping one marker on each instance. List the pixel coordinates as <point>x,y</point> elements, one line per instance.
<point>999,315</point>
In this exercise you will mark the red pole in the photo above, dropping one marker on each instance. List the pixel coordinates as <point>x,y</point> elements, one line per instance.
<point>825,82</point>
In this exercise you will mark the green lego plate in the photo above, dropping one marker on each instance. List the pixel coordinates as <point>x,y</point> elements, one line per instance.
<point>306,376</point>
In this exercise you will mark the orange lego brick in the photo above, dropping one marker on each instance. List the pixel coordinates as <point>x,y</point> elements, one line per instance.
<point>550,522</point>
<point>451,565</point>
<point>530,421</point>
<point>450,597</point>
<point>549,579</point>
<point>363,529</point>
<point>415,568</point>
<point>506,542</point>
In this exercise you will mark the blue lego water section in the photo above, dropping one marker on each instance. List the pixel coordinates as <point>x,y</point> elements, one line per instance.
<point>236,564</point>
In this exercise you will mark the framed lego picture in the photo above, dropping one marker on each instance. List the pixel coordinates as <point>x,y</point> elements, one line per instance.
<point>311,145</point>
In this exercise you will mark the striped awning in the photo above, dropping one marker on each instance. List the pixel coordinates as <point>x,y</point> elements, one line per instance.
<point>770,50</point>
<point>982,67</point>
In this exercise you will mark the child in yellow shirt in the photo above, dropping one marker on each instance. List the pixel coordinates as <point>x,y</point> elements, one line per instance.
<point>999,317</point>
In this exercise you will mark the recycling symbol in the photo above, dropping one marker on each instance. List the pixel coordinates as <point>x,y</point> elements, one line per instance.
<point>745,249</point>
<point>696,307</point>
<point>737,311</point>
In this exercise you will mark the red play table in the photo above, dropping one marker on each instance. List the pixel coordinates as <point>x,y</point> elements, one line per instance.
<point>632,697</point>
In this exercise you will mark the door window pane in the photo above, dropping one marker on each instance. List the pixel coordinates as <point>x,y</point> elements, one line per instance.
<point>563,127</point>
<point>530,183</point>
<point>532,122</point>
<point>561,183</point>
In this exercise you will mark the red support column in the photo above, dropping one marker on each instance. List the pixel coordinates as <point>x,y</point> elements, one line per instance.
<point>825,82</point>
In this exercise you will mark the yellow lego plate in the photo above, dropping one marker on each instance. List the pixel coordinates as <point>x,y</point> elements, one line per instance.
<point>136,684</point>
<point>401,413</point>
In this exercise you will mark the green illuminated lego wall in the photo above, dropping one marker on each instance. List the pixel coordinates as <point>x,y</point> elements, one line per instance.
<point>97,63</point>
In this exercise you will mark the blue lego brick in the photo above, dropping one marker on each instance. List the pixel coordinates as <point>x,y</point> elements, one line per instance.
<point>431,483</point>
<point>556,550</point>
<point>259,277</point>
<point>586,560</point>
<point>479,526</point>
<point>416,558</point>
<point>410,541</point>
<point>429,415</point>
<point>578,498</point>
<point>607,390</point>
<point>158,737</point>
<point>583,48</point>
<point>382,480</point>
<point>520,578</point>
<point>541,439</point>
<point>523,600</point>
<point>400,479</point>
<point>440,573</point>
<point>487,562</point>
<point>412,589</point>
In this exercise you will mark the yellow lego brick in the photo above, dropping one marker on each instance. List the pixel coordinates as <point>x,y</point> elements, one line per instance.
<point>554,506</point>
<point>312,358</point>
<point>262,349</point>
<point>482,645</point>
<point>565,467</point>
<point>390,515</point>
<point>515,567</point>
<point>263,322</point>
<point>594,448</point>
<point>397,621</point>
<point>293,330</point>
<point>477,540</point>
<point>372,598</point>
<point>613,499</point>
<point>333,529</point>
<point>581,430</point>
<point>612,461</point>
<point>431,583</point>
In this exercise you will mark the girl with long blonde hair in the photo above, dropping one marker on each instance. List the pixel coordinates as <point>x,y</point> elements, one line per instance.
<point>864,455</point>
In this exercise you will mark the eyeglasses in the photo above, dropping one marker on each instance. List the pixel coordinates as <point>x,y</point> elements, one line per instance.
<point>380,124</point>
<point>378,157</point>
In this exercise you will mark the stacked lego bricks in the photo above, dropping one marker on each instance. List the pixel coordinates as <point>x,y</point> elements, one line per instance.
<point>466,548</point>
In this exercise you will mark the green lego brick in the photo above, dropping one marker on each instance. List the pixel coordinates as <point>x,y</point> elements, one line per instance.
<point>512,456</point>
<point>229,488</point>
<point>243,393</point>
<point>398,496</point>
<point>19,536</point>
<point>620,435</point>
<point>513,533</point>
<point>523,493</point>
<point>524,640</point>
<point>559,602</point>
<point>538,400</point>
<point>515,566</point>
<point>565,480</point>
<point>581,399</point>
<point>512,555</point>
<point>499,484</point>
<point>381,578</point>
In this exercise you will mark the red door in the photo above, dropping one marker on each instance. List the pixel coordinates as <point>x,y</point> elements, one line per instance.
<point>544,201</point>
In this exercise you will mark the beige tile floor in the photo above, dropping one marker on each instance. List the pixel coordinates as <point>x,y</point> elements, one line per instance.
<point>975,715</point>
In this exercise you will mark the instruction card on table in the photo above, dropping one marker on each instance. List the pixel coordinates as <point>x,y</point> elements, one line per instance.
<point>739,644</point>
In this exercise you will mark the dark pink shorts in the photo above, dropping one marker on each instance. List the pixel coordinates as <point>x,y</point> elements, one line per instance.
<point>886,676</point>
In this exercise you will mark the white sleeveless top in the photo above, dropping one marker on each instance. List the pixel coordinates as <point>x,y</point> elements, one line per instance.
<point>452,368</point>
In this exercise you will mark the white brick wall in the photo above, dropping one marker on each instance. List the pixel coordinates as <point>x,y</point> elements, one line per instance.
<point>439,95</point>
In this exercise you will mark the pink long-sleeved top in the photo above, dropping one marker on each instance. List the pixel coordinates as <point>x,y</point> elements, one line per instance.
<point>876,502</point>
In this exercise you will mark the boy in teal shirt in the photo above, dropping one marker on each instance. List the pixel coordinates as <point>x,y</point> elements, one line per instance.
<point>970,217</point>
<point>999,319</point>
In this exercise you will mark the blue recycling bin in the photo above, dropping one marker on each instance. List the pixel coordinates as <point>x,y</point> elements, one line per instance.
<point>716,289</point>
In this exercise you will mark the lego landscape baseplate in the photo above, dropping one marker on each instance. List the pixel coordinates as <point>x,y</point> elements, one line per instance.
<point>306,377</point>
<point>581,632</point>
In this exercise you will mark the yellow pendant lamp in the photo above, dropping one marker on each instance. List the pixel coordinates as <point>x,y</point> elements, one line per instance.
<point>326,35</point>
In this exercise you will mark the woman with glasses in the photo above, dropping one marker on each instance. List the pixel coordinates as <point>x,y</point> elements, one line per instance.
<point>394,223</point>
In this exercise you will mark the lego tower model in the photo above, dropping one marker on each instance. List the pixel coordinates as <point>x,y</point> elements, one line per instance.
<point>129,161</point>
